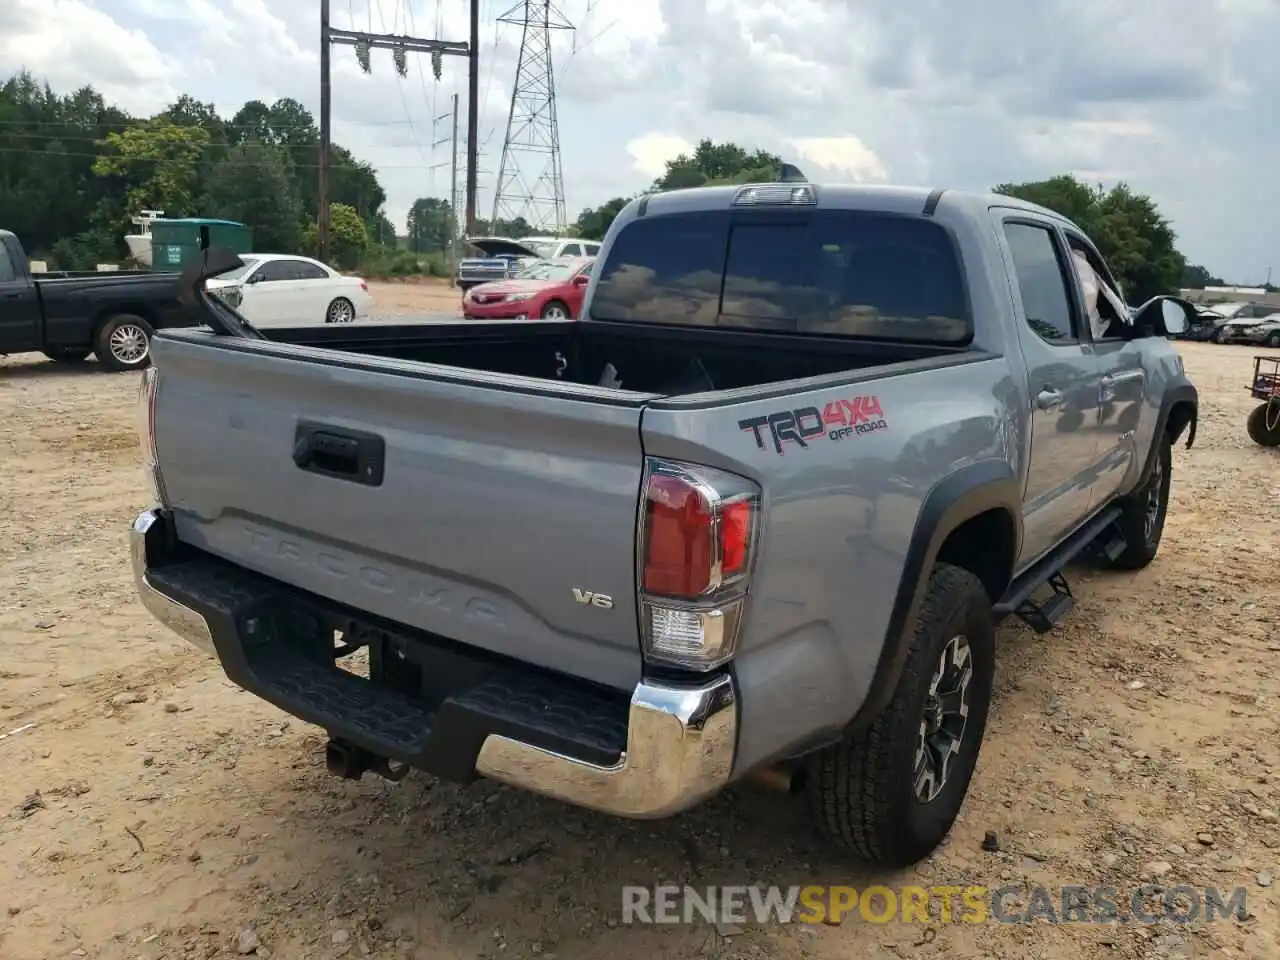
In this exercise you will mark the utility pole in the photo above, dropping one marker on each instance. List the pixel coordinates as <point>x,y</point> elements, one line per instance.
<point>326,108</point>
<point>453,185</point>
<point>473,118</point>
<point>452,140</point>
<point>399,45</point>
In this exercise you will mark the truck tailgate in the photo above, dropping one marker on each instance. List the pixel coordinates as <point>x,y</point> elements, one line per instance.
<point>498,510</point>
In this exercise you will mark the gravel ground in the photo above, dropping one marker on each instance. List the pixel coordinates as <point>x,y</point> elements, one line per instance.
<point>153,811</point>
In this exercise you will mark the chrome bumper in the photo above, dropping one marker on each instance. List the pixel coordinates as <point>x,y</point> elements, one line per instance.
<point>680,739</point>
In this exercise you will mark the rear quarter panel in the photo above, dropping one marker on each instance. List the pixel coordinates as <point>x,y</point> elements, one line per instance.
<point>838,513</point>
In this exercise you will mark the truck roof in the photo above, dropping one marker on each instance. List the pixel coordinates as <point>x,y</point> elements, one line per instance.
<point>879,197</point>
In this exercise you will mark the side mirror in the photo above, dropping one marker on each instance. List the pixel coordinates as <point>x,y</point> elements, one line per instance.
<point>1164,317</point>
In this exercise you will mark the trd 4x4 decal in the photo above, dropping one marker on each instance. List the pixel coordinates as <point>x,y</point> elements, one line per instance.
<point>838,420</point>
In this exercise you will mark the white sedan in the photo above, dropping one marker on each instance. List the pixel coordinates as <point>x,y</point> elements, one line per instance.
<point>279,290</point>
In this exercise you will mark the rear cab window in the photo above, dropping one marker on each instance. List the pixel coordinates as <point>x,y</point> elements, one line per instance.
<point>846,273</point>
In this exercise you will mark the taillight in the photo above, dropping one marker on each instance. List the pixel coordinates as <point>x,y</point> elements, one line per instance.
<point>697,538</point>
<point>364,286</point>
<point>148,389</point>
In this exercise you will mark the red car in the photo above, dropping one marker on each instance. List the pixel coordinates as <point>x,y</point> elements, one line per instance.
<point>552,290</point>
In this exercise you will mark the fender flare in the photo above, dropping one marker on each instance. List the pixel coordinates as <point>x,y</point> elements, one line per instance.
<point>963,495</point>
<point>1184,395</point>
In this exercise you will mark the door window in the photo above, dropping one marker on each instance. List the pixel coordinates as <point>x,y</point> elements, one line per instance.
<point>273,271</point>
<point>1104,306</point>
<point>7,272</point>
<point>1042,283</point>
<point>571,250</point>
<point>591,249</point>
<point>307,271</point>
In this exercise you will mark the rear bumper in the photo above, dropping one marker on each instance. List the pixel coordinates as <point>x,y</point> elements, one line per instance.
<point>661,751</point>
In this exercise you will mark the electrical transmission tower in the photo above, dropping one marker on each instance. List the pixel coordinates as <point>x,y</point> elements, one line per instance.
<point>530,179</point>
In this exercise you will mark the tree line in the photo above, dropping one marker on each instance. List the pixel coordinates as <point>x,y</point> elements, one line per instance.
<point>74,170</point>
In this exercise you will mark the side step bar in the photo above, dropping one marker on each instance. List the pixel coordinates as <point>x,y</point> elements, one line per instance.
<point>1042,615</point>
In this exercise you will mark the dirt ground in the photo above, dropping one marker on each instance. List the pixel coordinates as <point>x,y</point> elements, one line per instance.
<point>398,300</point>
<point>150,810</point>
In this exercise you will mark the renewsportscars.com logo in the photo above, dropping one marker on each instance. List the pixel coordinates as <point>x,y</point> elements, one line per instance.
<point>1015,903</point>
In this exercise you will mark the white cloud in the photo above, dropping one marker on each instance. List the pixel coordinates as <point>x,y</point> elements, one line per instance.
<point>652,151</point>
<point>846,155</point>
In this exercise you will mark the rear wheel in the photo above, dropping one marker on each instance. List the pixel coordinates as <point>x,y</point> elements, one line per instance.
<point>124,342</point>
<point>1273,339</point>
<point>1218,336</point>
<point>555,310</point>
<point>890,793</point>
<point>340,311</point>
<point>67,354</point>
<point>1264,424</point>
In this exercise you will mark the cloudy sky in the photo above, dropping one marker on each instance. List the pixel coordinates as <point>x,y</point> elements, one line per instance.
<point>1176,97</point>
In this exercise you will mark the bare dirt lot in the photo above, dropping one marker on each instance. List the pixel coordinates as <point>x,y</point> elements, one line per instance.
<point>150,810</point>
<point>394,300</point>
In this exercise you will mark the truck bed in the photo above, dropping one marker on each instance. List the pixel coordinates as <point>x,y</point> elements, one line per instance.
<point>651,360</point>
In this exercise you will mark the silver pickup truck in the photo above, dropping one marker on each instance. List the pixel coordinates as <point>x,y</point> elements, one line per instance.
<point>753,516</point>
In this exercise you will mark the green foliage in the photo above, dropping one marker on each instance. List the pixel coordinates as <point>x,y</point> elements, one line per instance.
<point>1138,243</point>
<point>348,237</point>
<point>1196,277</point>
<point>594,222</point>
<point>73,170</point>
<point>718,163</point>
<point>431,225</point>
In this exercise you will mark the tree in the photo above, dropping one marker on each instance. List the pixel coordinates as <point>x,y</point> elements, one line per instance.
<point>1196,277</point>
<point>431,225</point>
<point>594,222</point>
<point>73,170</point>
<point>162,159</point>
<point>1138,243</point>
<point>348,237</point>
<point>256,186</point>
<point>718,163</point>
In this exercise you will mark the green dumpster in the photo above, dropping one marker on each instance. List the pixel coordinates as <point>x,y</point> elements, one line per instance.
<point>175,243</point>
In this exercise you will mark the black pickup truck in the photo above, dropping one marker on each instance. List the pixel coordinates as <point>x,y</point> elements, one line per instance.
<point>68,316</point>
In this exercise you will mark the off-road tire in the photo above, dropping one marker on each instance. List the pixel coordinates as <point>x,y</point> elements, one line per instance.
<point>861,790</point>
<point>1142,541</point>
<point>103,342</point>
<point>67,354</point>
<point>1257,425</point>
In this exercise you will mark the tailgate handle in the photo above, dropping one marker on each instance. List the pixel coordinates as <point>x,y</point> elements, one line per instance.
<point>337,452</point>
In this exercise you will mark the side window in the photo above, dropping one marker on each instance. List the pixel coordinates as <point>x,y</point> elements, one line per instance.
<point>591,249</point>
<point>273,271</point>
<point>7,271</point>
<point>571,250</point>
<point>307,271</point>
<point>1042,283</point>
<point>1104,305</point>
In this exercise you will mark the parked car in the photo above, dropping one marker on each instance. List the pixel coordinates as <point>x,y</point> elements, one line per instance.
<point>283,290</point>
<point>504,258</point>
<point>755,514</point>
<point>552,290</point>
<point>1248,310</point>
<point>1259,330</point>
<point>68,316</point>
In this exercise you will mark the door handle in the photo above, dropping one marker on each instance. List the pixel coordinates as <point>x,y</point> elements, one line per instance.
<point>1048,399</point>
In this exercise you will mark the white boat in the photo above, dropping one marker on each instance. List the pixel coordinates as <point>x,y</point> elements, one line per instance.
<point>140,243</point>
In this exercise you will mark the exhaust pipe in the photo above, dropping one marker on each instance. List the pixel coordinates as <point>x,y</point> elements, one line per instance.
<point>350,762</point>
<point>777,778</point>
